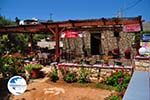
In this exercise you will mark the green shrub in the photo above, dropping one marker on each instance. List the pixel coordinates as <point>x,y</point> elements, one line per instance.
<point>83,76</point>
<point>10,66</point>
<point>113,97</point>
<point>54,75</point>
<point>70,77</point>
<point>28,67</point>
<point>119,80</point>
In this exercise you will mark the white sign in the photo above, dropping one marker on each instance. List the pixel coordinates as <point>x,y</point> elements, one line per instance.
<point>17,85</point>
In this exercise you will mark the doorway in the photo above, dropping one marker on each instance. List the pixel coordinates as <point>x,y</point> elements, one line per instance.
<point>95,43</point>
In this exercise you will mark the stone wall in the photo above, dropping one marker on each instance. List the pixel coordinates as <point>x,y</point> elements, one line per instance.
<point>108,42</point>
<point>94,74</point>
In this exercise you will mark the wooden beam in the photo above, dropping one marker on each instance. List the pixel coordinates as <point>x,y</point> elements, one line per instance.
<point>70,24</point>
<point>51,30</point>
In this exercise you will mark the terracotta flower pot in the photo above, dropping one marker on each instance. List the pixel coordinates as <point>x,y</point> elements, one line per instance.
<point>35,73</point>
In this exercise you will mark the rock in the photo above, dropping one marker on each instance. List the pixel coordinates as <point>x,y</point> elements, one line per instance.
<point>55,91</point>
<point>49,92</point>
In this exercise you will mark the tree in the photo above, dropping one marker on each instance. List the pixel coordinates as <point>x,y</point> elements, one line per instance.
<point>11,42</point>
<point>4,21</point>
<point>17,20</point>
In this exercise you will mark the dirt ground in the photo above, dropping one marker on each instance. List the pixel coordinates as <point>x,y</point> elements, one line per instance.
<point>46,90</point>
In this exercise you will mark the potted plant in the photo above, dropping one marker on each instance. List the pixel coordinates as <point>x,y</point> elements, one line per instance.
<point>33,70</point>
<point>35,73</point>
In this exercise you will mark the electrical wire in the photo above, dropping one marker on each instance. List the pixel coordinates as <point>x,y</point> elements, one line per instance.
<point>133,5</point>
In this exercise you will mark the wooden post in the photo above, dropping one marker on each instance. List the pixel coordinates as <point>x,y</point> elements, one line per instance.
<point>57,49</point>
<point>57,33</point>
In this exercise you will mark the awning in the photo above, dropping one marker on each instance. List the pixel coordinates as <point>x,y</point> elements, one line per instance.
<point>70,34</point>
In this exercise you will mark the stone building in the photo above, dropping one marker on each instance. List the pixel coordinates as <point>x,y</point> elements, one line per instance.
<point>99,35</point>
<point>100,42</point>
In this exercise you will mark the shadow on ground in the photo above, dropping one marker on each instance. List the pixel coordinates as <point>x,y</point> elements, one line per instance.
<point>4,93</point>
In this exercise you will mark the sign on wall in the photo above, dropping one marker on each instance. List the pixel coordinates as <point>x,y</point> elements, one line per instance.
<point>132,28</point>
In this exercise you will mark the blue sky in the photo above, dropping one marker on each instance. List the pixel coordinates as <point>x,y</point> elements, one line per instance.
<point>73,9</point>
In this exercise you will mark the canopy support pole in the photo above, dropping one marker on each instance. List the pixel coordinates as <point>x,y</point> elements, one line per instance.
<point>57,31</point>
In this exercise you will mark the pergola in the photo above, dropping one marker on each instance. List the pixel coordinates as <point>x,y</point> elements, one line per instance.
<point>114,24</point>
